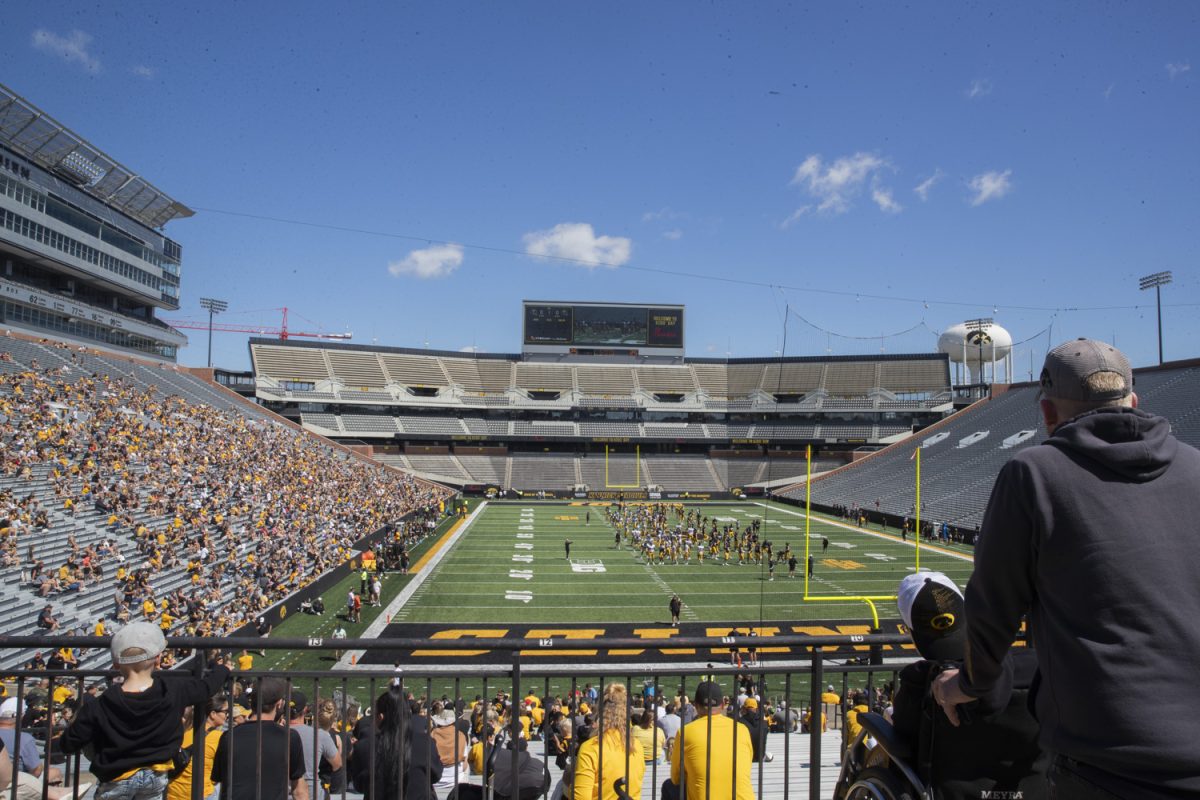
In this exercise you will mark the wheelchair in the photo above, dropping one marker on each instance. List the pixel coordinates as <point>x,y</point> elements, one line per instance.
<point>994,752</point>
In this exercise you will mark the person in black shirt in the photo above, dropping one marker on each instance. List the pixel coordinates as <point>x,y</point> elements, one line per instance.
<point>396,757</point>
<point>134,728</point>
<point>261,758</point>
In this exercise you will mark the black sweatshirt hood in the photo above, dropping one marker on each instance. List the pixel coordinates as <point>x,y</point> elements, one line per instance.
<point>1134,444</point>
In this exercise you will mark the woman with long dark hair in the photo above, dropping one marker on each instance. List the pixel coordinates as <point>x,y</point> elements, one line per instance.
<point>397,754</point>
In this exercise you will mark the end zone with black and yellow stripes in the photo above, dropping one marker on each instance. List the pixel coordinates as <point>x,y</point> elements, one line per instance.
<point>652,643</point>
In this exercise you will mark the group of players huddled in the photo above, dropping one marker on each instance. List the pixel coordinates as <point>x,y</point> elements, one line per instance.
<point>669,533</point>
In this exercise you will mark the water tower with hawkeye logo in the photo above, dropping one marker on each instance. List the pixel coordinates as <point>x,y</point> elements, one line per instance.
<point>980,351</point>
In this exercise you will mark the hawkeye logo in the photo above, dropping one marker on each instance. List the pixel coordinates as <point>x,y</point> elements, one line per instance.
<point>978,338</point>
<point>942,622</point>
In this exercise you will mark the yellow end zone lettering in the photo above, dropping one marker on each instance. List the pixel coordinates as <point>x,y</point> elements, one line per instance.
<point>841,630</point>
<point>654,633</point>
<point>462,633</point>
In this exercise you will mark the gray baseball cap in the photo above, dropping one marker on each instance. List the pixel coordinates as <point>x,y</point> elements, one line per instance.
<point>137,636</point>
<point>1068,366</point>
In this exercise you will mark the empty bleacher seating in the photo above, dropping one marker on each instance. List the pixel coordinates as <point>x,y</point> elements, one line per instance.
<point>551,377</point>
<point>356,369</point>
<point>597,380</point>
<point>409,370</point>
<point>533,471</point>
<point>301,364</point>
<point>683,473</point>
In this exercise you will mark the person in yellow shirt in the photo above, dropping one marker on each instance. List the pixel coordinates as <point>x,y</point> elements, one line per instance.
<point>61,694</point>
<point>703,754</point>
<point>651,737</point>
<point>475,755</point>
<point>180,787</point>
<point>245,661</point>
<point>623,757</point>
<point>853,726</point>
<point>538,715</point>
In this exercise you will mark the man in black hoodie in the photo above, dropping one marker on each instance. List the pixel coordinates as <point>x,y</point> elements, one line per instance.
<point>1093,536</point>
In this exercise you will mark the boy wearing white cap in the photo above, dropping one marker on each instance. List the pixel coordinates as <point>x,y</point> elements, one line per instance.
<point>134,727</point>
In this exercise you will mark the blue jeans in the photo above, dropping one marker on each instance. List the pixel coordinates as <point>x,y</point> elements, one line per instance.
<point>145,784</point>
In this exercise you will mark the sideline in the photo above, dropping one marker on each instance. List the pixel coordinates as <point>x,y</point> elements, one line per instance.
<point>420,572</point>
<point>876,534</point>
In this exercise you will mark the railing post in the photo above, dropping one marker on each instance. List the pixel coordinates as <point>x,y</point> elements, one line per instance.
<point>514,723</point>
<point>199,719</point>
<point>817,679</point>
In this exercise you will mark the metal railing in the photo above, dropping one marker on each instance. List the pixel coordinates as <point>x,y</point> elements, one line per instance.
<point>800,673</point>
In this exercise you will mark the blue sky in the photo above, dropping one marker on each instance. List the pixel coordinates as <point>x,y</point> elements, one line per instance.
<point>873,168</point>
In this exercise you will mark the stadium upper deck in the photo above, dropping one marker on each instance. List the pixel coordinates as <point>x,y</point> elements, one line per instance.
<point>82,252</point>
<point>358,375</point>
<point>542,415</point>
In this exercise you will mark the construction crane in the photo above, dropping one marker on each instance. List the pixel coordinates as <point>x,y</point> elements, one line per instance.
<point>282,331</point>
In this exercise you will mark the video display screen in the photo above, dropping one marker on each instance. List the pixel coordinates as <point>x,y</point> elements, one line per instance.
<point>599,325</point>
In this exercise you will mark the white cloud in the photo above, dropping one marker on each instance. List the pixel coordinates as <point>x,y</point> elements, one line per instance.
<point>990,186</point>
<point>471,349</point>
<point>1177,68</point>
<point>675,234</point>
<point>437,261</point>
<point>794,217</point>
<point>577,241</point>
<point>665,213</point>
<point>835,184</point>
<point>922,188</point>
<point>142,71</point>
<point>883,198</point>
<point>980,87</point>
<point>71,48</point>
<point>1108,92</point>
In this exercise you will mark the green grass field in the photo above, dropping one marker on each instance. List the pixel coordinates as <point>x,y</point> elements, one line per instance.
<point>478,582</point>
<point>510,567</point>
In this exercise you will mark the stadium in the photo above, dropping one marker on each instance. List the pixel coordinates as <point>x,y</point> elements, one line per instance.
<point>471,522</point>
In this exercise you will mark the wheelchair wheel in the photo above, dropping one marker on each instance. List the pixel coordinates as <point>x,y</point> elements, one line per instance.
<point>877,783</point>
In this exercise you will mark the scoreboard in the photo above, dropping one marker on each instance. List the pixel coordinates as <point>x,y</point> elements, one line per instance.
<point>563,327</point>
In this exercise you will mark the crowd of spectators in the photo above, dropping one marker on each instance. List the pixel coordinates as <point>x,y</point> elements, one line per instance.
<point>470,739</point>
<point>251,509</point>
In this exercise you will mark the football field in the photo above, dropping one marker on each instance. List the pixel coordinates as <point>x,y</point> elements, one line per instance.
<point>511,566</point>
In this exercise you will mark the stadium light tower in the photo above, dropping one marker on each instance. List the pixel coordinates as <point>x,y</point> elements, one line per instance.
<point>1156,282</point>
<point>213,307</point>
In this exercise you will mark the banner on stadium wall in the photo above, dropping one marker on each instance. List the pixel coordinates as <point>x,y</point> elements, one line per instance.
<point>656,635</point>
